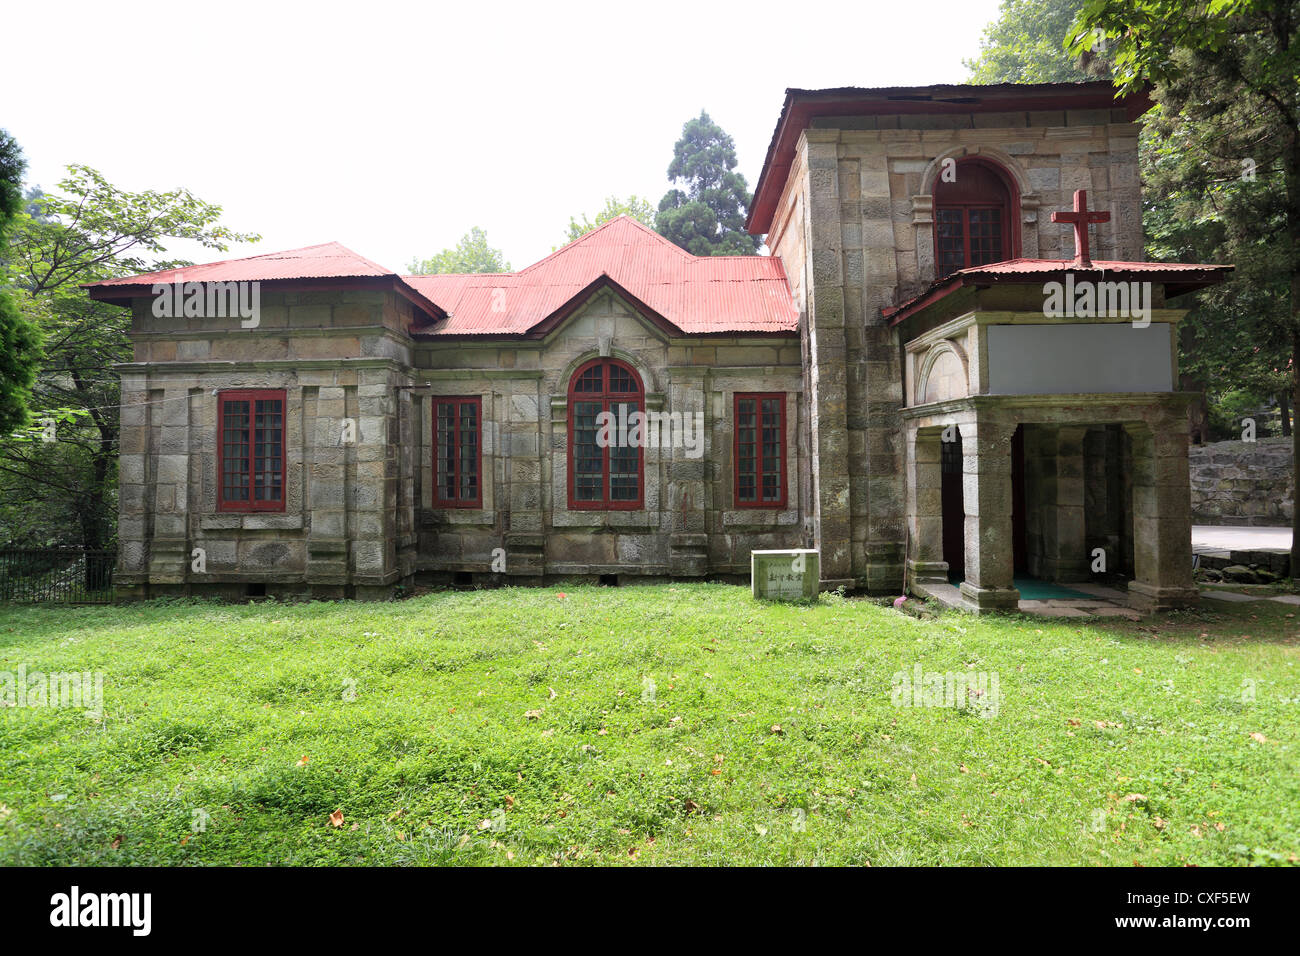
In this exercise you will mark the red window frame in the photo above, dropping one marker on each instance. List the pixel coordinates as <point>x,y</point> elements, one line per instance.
<point>458,404</point>
<point>991,189</point>
<point>606,397</point>
<point>760,460</point>
<point>248,450</point>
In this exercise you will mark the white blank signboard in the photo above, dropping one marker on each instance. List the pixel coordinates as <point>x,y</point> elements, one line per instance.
<point>1068,359</point>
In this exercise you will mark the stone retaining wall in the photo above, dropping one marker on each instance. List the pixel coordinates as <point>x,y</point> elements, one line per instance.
<point>1242,483</point>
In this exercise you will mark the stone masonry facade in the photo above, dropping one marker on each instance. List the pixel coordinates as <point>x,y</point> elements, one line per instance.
<point>876,357</point>
<point>359,516</point>
<point>854,226</point>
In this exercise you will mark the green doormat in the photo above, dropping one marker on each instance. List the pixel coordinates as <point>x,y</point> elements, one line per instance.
<point>1032,589</point>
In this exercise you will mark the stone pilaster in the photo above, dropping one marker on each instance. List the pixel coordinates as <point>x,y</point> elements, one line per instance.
<point>135,478</point>
<point>169,548</point>
<point>327,497</point>
<point>374,494</point>
<point>828,397</point>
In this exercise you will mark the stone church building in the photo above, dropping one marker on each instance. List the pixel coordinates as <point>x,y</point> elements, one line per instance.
<point>930,379</point>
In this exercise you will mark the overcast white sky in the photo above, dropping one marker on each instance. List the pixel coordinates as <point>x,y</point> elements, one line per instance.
<point>393,128</point>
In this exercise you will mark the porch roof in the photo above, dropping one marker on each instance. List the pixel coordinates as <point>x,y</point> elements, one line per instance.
<point>1177,278</point>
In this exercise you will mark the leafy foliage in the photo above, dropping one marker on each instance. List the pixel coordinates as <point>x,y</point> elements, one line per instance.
<point>707,217</point>
<point>471,254</point>
<point>1227,81</point>
<point>1026,44</point>
<point>64,491</point>
<point>634,206</point>
<point>20,341</point>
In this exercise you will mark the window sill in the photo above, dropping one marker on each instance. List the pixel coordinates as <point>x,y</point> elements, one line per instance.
<point>251,521</point>
<point>760,517</point>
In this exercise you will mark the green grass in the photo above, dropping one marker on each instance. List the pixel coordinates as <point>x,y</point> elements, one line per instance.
<point>1114,742</point>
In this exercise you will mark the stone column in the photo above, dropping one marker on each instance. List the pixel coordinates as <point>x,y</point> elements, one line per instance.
<point>924,479</point>
<point>1162,521</point>
<point>986,490</point>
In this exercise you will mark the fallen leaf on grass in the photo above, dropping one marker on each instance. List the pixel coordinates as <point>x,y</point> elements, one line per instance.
<point>1259,737</point>
<point>336,818</point>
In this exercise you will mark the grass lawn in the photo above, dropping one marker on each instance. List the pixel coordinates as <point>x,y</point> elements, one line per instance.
<point>680,724</point>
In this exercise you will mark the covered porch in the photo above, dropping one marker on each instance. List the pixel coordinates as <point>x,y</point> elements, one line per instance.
<point>1084,496</point>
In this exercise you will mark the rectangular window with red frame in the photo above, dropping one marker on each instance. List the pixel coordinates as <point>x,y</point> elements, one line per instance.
<point>759,450</point>
<point>457,452</point>
<point>250,450</point>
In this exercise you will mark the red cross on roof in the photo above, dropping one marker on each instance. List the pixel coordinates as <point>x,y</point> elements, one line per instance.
<point>1081,217</point>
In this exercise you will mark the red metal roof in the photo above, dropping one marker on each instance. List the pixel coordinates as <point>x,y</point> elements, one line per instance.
<point>327,261</point>
<point>802,106</point>
<point>1177,278</point>
<point>694,294</point>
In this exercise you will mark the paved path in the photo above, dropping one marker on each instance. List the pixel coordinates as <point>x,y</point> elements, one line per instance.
<point>1207,537</point>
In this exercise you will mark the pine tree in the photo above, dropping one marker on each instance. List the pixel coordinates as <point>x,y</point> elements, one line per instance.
<point>707,217</point>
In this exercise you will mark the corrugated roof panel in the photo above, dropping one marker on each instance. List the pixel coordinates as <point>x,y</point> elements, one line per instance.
<point>329,260</point>
<point>698,294</point>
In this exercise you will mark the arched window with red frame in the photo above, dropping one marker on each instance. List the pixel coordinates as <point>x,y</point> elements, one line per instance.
<point>606,459</point>
<point>974,217</point>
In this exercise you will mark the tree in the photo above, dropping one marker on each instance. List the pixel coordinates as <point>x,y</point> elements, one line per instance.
<point>12,167</point>
<point>63,491</point>
<point>707,218</point>
<point>20,341</point>
<point>471,254</point>
<point>634,206</point>
<point>1225,76</point>
<point>1026,44</point>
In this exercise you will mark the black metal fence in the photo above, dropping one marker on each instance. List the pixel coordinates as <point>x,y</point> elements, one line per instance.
<point>56,575</point>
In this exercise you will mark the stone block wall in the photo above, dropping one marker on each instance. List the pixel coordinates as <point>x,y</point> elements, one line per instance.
<point>854,226</point>
<point>1243,483</point>
<point>689,525</point>
<point>347,527</point>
